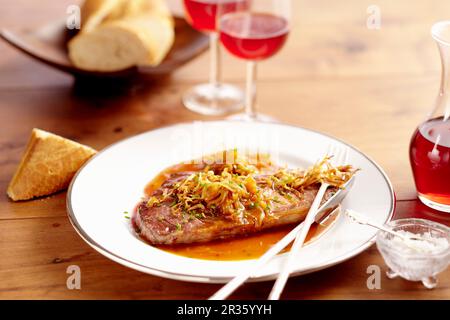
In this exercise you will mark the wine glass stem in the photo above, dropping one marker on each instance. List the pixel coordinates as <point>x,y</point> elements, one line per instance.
<point>250,109</point>
<point>215,71</point>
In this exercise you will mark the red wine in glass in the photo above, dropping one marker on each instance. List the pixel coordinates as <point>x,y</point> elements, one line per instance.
<point>253,36</point>
<point>213,98</point>
<point>430,160</point>
<point>201,14</point>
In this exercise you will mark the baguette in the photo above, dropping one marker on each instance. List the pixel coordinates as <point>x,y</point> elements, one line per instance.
<point>126,9</point>
<point>138,32</point>
<point>47,166</point>
<point>121,44</point>
<point>93,12</point>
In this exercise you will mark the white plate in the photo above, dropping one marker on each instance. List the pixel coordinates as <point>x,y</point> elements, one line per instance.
<point>113,181</point>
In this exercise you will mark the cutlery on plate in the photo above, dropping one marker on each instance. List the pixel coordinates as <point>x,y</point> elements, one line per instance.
<point>340,156</point>
<point>324,212</point>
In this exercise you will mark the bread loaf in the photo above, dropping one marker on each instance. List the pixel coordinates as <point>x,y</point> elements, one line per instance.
<point>93,12</point>
<point>126,9</point>
<point>137,32</point>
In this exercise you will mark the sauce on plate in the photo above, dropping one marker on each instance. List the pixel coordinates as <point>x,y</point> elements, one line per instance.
<point>240,248</point>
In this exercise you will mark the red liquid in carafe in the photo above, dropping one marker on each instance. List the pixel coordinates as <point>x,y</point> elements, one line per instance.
<point>430,160</point>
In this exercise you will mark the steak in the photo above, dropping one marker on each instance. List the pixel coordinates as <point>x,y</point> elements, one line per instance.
<point>162,225</point>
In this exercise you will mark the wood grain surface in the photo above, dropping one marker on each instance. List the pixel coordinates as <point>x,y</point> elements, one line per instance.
<point>368,87</point>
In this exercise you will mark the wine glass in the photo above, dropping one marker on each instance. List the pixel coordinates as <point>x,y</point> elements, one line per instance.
<point>214,98</point>
<point>254,30</point>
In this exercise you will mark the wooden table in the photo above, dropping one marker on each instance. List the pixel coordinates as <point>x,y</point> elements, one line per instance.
<point>368,87</point>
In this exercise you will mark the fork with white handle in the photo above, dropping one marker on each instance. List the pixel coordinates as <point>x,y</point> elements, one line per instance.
<point>340,156</point>
<point>231,286</point>
<point>326,211</point>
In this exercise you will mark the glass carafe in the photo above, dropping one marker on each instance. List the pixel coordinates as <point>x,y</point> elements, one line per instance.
<point>430,144</point>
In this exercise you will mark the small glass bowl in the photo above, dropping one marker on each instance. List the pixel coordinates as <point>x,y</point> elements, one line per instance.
<point>414,265</point>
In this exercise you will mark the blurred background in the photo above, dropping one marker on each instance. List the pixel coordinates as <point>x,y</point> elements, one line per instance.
<point>332,64</point>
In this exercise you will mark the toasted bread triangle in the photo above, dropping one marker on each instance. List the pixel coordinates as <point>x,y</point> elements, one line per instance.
<point>47,166</point>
